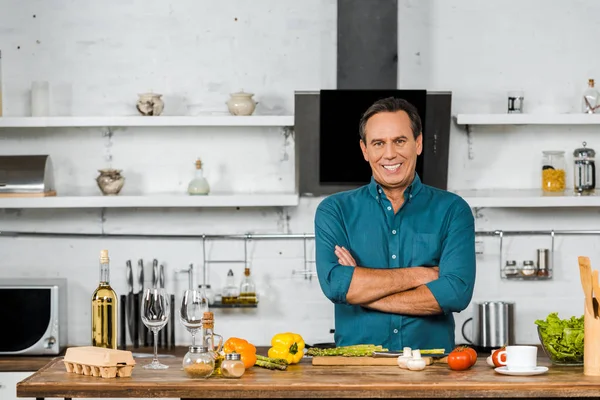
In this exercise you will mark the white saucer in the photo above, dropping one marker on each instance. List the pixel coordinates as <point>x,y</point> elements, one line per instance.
<point>535,371</point>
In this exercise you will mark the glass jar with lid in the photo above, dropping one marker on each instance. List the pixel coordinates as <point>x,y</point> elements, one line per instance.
<point>198,362</point>
<point>529,269</point>
<point>553,172</point>
<point>584,173</point>
<point>232,366</point>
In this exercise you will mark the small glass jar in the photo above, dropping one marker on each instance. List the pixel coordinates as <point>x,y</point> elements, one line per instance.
<point>510,269</point>
<point>584,173</point>
<point>529,269</point>
<point>198,362</point>
<point>232,366</point>
<point>553,172</point>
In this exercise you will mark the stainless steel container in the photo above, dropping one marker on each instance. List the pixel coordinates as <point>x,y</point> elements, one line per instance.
<point>493,324</point>
<point>26,174</point>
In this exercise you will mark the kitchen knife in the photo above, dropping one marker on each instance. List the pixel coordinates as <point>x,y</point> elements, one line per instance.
<point>142,330</point>
<point>162,334</point>
<point>172,327</point>
<point>122,323</point>
<point>129,310</point>
<point>149,335</point>
<point>155,273</point>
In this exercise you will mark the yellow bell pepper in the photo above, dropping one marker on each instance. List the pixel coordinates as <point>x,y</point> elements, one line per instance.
<point>288,346</point>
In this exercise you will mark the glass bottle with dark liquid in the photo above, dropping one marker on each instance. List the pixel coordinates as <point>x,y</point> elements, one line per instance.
<point>104,308</point>
<point>247,289</point>
<point>230,291</point>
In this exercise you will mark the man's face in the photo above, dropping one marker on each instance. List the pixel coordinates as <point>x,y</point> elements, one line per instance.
<point>391,149</point>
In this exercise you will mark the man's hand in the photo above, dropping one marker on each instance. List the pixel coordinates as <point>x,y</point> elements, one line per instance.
<point>344,256</point>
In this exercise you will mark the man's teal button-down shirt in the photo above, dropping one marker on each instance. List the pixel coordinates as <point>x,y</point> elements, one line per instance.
<point>432,228</point>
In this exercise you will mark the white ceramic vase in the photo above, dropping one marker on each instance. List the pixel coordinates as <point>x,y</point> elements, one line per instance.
<point>150,104</point>
<point>241,103</point>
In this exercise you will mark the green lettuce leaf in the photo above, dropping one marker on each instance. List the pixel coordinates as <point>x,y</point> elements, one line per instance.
<point>562,338</point>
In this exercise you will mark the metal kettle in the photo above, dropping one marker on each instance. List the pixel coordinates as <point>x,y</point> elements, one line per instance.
<point>493,324</point>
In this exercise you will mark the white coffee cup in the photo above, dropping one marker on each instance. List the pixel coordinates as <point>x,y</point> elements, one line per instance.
<point>519,358</point>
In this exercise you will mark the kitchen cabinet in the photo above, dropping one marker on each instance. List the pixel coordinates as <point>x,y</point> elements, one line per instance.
<point>523,198</point>
<point>8,384</point>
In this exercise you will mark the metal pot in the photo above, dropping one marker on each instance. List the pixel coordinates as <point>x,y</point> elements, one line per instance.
<point>493,325</point>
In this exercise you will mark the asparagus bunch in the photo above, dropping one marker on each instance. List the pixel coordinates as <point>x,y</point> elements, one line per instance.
<point>358,350</point>
<point>433,351</point>
<point>271,363</point>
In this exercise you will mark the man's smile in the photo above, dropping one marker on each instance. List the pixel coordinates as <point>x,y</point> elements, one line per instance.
<point>392,167</point>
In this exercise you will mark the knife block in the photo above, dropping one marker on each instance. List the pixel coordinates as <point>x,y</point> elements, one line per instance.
<point>591,341</point>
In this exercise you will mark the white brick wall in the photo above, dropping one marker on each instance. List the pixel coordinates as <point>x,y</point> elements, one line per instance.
<point>97,57</point>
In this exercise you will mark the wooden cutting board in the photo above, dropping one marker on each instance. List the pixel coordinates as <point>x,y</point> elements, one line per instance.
<point>340,360</point>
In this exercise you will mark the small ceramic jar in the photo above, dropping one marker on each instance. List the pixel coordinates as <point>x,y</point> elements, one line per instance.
<point>198,362</point>
<point>241,103</point>
<point>150,104</point>
<point>110,181</point>
<point>232,366</point>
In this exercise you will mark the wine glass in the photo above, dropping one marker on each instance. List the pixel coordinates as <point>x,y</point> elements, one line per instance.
<point>155,314</point>
<point>193,306</point>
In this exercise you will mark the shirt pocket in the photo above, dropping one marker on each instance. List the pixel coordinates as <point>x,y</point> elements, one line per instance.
<point>426,249</point>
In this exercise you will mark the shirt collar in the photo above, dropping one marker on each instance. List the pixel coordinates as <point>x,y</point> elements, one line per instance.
<point>412,190</point>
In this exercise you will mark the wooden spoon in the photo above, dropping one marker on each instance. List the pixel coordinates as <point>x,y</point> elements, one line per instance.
<point>585,272</point>
<point>596,286</point>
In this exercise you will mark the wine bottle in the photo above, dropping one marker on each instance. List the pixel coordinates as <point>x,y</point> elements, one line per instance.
<point>104,308</point>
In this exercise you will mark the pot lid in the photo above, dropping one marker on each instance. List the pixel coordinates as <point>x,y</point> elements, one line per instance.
<point>241,93</point>
<point>584,151</point>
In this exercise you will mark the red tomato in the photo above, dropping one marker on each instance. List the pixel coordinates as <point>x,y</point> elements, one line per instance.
<point>497,360</point>
<point>471,352</point>
<point>460,359</point>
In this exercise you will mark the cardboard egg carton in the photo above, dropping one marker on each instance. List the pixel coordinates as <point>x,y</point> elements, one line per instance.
<point>98,361</point>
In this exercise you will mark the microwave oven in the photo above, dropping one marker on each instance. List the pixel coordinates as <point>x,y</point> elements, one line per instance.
<point>33,313</point>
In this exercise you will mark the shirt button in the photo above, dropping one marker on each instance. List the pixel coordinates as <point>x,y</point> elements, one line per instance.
<point>376,197</point>
<point>379,190</point>
<point>389,208</point>
<point>394,232</point>
<point>393,256</point>
<point>395,330</point>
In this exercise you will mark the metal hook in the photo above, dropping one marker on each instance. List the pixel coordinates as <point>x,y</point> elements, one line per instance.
<point>501,234</point>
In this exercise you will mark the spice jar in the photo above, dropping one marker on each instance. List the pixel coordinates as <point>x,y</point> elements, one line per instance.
<point>232,366</point>
<point>198,362</point>
<point>510,269</point>
<point>553,171</point>
<point>584,173</point>
<point>529,269</point>
<point>543,263</point>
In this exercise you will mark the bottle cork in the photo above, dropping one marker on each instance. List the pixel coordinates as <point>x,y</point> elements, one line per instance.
<point>104,256</point>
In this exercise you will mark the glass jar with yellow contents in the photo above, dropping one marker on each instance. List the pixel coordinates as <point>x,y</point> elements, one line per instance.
<point>553,172</point>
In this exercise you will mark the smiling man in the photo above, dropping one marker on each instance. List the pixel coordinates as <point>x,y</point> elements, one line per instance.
<point>396,257</point>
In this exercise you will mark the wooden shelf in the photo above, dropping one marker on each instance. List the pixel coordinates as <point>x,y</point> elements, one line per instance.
<point>141,121</point>
<point>528,119</point>
<point>524,198</point>
<point>153,201</point>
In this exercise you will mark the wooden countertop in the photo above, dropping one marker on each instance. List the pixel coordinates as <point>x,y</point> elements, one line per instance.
<point>308,381</point>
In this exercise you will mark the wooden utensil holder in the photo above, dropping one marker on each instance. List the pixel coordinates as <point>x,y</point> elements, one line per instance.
<point>591,341</point>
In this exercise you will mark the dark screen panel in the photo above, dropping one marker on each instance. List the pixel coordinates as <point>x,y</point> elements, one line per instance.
<point>340,158</point>
<point>27,312</point>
